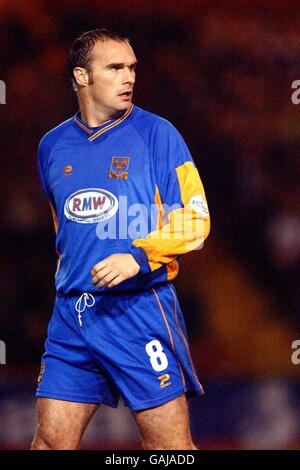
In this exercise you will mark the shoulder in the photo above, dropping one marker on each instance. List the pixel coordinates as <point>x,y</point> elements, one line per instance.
<point>51,137</point>
<point>152,126</point>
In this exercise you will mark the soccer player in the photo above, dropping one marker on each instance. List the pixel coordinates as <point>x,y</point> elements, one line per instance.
<point>127,202</point>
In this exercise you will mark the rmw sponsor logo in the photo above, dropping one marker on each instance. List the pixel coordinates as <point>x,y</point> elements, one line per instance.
<point>88,203</point>
<point>2,92</point>
<point>91,205</point>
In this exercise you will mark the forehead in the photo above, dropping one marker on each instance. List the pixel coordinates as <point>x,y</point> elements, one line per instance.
<point>109,51</point>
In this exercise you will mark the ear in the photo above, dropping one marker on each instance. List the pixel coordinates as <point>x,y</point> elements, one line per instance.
<point>81,76</point>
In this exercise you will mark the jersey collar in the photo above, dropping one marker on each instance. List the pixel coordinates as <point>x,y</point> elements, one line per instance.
<point>106,126</point>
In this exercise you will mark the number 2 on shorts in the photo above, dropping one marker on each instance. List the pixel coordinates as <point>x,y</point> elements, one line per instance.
<point>158,359</point>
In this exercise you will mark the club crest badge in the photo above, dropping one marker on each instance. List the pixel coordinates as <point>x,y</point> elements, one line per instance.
<point>119,167</point>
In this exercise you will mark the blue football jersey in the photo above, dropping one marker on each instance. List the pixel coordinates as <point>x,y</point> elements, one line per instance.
<point>128,186</point>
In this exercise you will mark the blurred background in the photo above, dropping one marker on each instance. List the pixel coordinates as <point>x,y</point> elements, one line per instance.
<point>221,72</point>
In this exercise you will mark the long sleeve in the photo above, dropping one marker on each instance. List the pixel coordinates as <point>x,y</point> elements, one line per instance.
<point>182,221</point>
<point>42,161</point>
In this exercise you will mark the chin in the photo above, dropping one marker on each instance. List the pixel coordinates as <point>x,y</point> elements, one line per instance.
<point>121,107</point>
<point>125,105</point>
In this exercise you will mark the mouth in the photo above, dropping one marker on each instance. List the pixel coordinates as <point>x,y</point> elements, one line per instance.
<point>126,95</point>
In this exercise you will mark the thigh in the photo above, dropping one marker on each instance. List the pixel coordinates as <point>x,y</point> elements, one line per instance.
<point>166,427</point>
<point>61,424</point>
<point>68,371</point>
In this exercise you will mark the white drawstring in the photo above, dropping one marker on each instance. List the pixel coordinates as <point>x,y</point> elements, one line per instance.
<point>83,298</point>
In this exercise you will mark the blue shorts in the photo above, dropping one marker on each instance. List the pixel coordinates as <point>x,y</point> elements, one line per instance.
<point>129,345</point>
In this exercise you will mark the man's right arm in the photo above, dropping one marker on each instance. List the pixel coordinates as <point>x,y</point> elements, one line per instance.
<point>42,160</point>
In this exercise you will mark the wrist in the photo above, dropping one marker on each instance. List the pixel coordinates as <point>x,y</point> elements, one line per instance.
<point>141,259</point>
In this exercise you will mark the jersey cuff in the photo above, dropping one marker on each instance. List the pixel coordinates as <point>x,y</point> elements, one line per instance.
<point>141,258</point>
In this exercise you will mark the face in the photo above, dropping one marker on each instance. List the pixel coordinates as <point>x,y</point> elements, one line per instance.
<point>112,68</point>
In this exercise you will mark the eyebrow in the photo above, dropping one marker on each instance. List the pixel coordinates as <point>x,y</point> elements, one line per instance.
<point>120,64</point>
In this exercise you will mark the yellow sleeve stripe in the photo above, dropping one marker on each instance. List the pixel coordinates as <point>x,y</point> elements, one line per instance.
<point>173,266</point>
<point>160,210</point>
<point>58,264</point>
<point>54,217</point>
<point>172,269</point>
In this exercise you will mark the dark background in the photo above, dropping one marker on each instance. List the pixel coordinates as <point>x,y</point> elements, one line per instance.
<point>221,72</point>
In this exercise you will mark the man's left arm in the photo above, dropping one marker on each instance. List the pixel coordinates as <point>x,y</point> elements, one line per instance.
<point>184,221</point>
<point>182,217</point>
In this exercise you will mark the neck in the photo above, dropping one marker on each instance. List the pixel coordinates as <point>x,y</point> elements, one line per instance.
<point>94,115</point>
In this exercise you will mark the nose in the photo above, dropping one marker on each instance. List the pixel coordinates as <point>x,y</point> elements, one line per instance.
<point>128,76</point>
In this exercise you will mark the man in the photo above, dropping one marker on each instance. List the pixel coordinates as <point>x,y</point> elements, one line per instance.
<point>127,201</point>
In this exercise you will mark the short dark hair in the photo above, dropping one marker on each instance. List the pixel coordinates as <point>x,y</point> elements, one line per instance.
<point>80,52</point>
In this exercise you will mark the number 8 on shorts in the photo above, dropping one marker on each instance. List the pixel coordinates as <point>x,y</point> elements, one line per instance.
<point>158,359</point>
